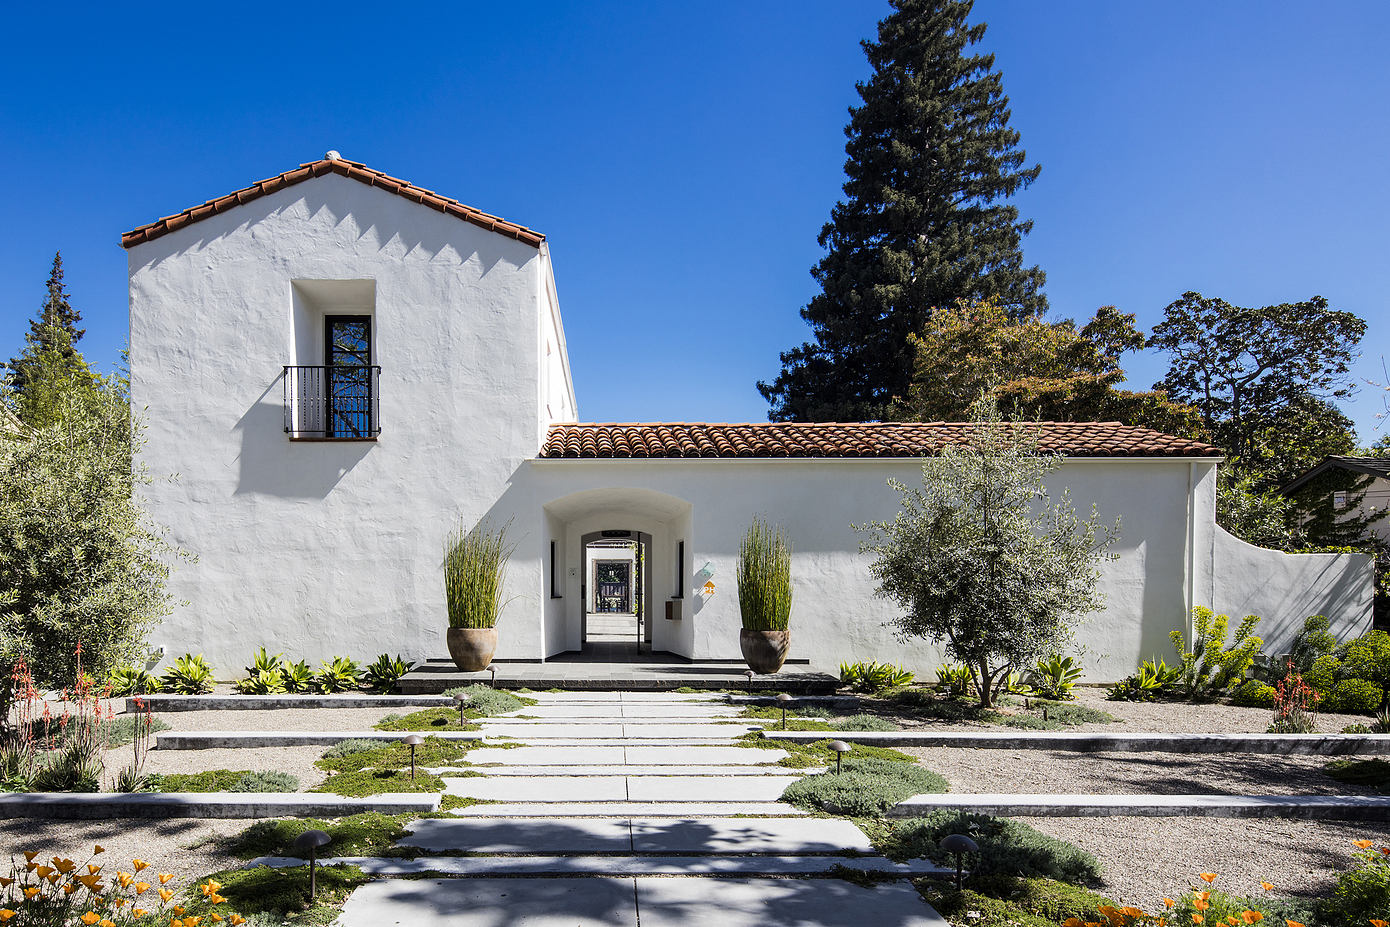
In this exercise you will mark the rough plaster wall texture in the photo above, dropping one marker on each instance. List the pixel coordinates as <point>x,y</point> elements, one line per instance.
<point>1284,589</point>
<point>835,615</point>
<point>325,548</point>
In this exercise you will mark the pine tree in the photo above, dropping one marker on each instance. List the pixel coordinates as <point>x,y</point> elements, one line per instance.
<point>931,160</point>
<point>50,366</point>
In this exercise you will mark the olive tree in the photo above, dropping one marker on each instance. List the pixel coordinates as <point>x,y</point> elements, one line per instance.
<point>982,559</point>
<point>80,562</point>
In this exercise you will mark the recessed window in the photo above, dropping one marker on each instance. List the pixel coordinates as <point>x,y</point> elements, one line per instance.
<point>554,577</point>
<point>1339,500</point>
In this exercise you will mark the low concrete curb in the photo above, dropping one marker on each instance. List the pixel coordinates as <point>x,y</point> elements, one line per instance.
<point>617,865</point>
<point>161,702</point>
<point>1318,807</point>
<point>1092,742</point>
<point>91,806</point>
<point>206,740</point>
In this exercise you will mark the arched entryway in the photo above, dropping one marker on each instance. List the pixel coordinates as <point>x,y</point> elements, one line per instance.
<point>620,570</point>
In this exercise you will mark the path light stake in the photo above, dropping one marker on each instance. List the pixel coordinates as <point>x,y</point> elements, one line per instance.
<point>959,844</point>
<point>413,741</point>
<point>311,840</point>
<point>1044,712</point>
<point>749,674</point>
<point>840,748</point>
<point>462,700</point>
<point>492,668</point>
<point>784,698</point>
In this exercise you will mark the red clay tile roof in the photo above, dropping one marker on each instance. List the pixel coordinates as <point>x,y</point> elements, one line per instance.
<point>855,439</point>
<point>353,169</point>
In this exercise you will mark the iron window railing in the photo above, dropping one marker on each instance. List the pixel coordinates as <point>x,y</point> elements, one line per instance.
<point>341,401</point>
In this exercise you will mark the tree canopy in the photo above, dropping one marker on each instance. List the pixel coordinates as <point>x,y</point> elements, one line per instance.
<point>983,559</point>
<point>1035,368</point>
<point>1248,370</point>
<point>50,369</point>
<point>931,162</point>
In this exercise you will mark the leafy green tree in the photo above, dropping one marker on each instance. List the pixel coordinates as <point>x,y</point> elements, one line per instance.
<point>1290,440</point>
<point>80,562</point>
<point>983,560</point>
<point>931,162</point>
<point>1262,517</point>
<point>1368,657</point>
<point>1039,369</point>
<point>1245,370</point>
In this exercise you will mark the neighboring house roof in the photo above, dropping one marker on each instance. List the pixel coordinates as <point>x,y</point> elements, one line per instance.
<point>857,439</point>
<point>332,163</point>
<point>1378,467</point>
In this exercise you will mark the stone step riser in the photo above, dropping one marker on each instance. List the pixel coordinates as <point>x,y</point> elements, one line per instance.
<point>712,835</point>
<point>1090,742</point>
<point>626,809</point>
<point>485,866</point>
<point>166,805</point>
<point>620,770</point>
<point>1309,807</point>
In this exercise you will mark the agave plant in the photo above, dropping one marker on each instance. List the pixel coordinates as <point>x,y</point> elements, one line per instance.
<point>262,682</point>
<point>189,675</point>
<point>297,677</point>
<point>383,674</point>
<point>1149,682</point>
<point>874,677</point>
<point>1054,677</point>
<point>132,680</point>
<point>338,676</point>
<point>954,678</point>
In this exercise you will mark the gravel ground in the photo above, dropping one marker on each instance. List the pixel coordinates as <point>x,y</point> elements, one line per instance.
<point>1146,859</point>
<point>187,847</point>
<point>1048,772</point>
<point>1147,717</point>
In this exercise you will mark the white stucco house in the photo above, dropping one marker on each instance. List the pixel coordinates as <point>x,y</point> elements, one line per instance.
<point>341,367</point>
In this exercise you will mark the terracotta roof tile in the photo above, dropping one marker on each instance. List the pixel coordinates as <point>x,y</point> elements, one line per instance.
<point>850,439</point>
<point>352,169</point>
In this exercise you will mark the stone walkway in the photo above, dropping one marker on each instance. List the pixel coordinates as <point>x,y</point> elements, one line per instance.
<point>628,808</point>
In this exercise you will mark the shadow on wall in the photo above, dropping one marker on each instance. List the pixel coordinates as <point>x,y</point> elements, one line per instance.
<point>270,464</point>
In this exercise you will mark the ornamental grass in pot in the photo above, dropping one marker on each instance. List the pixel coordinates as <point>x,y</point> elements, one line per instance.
<point>764,596</point>
<point>475,564</point>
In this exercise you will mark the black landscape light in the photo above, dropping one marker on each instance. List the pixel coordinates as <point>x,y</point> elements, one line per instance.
<point>840,748</point>
<point>784,698</point>
<point>311,840</point>
<point>412,741</point>
<point>492,668</point>
<point>749,674</point>
<point>463,701</point>
<point>959,844</point>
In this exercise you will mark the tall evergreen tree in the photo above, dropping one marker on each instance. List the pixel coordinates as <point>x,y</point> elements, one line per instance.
<point>50,365</point>
<point>931,160</point>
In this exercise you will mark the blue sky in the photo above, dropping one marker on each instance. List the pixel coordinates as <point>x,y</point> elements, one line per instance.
<point>682,157</point>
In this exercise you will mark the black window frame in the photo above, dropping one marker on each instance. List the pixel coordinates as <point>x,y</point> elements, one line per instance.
<point>328,367</point>
<point>680,570</point>
<point>553,593</point>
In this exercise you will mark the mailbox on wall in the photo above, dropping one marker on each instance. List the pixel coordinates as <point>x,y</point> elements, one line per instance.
<point>673,609</point>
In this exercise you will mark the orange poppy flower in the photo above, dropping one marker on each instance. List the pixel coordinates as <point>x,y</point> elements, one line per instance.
<point>6,914</point>
<point>1207,877</point>
<point>1201,904</point>
<point>30,892</point>
<point>29,855</point>
<point>1267,886</point>
<point>43,871</point>
<point>139,864</point>
<point>1197,918</point>
<point>1377,923</point>
<point>165,894</point>
<point>1072,922</point>
<point>141,887</point>
<point>164,879</point>
<point>93,869</point>
<point>64,865</point>
<point>1293,923</point>
<point>125,879</point>
<point>90,918</point>
<point>139,912</point>
<point>1251,917</point>
<point>1363,844</point>
<point>237,919</point>
<point>1168,902</point>
<point>98,848</point>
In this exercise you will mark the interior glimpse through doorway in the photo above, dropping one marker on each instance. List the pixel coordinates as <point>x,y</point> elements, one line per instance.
<point>616,621</point>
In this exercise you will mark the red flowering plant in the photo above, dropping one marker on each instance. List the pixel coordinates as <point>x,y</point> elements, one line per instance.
<point>1295,704</point>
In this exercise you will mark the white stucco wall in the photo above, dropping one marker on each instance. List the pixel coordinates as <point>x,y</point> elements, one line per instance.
<point>1284,589</point>
<point>835,616</point>
<point>321,548</point>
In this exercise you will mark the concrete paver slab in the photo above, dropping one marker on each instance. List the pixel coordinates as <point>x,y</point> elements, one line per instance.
<point>549,756</point>
<point>700,902</point>
<point>707,788</point>
<point>663,755</point>
<point>558,730</point>
<point>789,837</point>
<point>622,809</point>
<point>541,788</point>
<point>562,902</point>
<point>520,836</point>
<point>616,770</point>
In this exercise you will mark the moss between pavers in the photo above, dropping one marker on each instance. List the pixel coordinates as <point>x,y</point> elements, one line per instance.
<point>867,786</point>
<point>429,719</point>
<point>283,894</point>
<point>368,834</point>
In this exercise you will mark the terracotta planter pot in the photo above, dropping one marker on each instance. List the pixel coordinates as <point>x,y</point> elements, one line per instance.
<point>764,651</point>
<point>471,648</point>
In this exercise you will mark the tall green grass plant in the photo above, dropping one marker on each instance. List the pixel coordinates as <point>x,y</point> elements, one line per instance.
<point>475,564</point>
<point>765,578</point>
